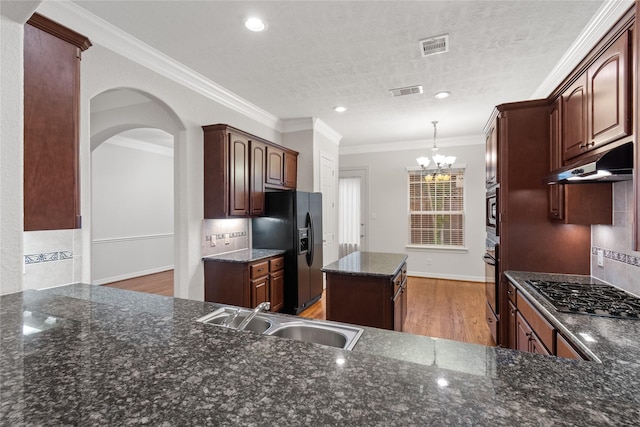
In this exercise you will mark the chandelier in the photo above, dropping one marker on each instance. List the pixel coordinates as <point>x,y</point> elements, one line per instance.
<point>440,161</point>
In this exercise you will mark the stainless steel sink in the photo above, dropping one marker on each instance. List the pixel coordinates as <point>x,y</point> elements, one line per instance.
<point>319,333</point>
<point>232,317</point>
<point>313,331</point>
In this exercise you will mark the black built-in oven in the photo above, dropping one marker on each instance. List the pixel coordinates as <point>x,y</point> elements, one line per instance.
<point>492,212</point>
<point>491,268</point>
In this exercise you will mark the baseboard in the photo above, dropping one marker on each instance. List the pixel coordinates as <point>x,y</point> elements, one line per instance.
<point>131,275</point>
<point>446,276</point>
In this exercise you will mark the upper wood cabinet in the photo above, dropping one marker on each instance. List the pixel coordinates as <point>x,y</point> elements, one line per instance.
<point>257,162</point>
<point>574,204</point>
<point>51,120</point>
<point>596,107</point>
<point>239,168</point>
<point>282,168</point>
<point>236,171</point>
<point>491,156</point>
<point>574,119</point>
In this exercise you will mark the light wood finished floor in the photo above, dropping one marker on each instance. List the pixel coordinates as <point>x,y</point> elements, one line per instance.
<point>157,283</point>
<point>439,308</point>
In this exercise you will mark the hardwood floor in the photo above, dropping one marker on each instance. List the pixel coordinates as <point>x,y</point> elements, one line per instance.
<point>158,283</point>
<point>439,308</point>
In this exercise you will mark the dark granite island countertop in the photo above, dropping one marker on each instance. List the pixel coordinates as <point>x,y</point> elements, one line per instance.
<point>367,264</point>
<point>89,355</point>
<point>244,255</point>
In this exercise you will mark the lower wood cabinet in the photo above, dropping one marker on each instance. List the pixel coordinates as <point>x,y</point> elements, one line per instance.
<point>368,300</point>
<point>245,284</point>
<point>529,330</point>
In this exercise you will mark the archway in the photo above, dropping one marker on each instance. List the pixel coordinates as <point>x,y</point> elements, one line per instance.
<point>129,119</point>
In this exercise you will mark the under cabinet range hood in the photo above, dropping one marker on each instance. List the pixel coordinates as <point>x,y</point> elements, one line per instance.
<point>613,165</point>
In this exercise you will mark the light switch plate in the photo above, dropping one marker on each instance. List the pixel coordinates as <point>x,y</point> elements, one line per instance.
<point>600,253</point>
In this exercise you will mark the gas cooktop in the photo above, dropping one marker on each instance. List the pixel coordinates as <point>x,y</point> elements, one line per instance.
<point>590,298</point>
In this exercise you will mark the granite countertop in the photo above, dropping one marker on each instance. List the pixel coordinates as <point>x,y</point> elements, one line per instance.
<point>601,338</point>
<point>245,255</point>
<point>367,264</point>
<point>105,356</point>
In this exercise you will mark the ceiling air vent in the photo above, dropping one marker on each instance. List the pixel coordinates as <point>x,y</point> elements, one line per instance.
<point>434,45</point>
<point>406,90</point>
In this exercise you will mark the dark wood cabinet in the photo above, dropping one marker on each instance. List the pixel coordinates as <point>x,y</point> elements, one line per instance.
<point>290,169</point>
<point>400,299</point>
<point>237,170</point>
<point>276,278</point>
<point>51,119</point>
<point>282,168</point>
<point>574,204</point>
<point>597,106</point>
<point>275,166</point>
<point>257,161</point>
<point>491,156</point>
<point>367,300</point>
<point>566,350</point>
<point>245,284</point>
<point>609,94</point>
<point>529,330</point>
<point>574,119</point>
<point>525,231</point>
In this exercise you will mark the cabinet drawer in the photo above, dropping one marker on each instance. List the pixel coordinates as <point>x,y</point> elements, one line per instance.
<point>259,269</point>
<point>566,350</point>
<point>511,292</point>
<point>276,264</point>
<point>492,321</point>
<point>542,328</point>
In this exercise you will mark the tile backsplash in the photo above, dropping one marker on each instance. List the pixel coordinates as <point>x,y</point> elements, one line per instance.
<point>621,265</point>
<point>52,258</point>
<point>224,235</point>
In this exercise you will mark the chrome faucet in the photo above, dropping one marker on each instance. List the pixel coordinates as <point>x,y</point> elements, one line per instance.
<point>263,306</point>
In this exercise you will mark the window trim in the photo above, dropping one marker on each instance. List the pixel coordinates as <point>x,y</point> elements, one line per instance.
<point>437,248</point>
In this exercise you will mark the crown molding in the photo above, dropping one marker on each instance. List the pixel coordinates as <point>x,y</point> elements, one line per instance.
<point>608,14</point>
<point>324,129</point>
<point>310,123</point>
<point>109,36</point>
<point>134,144</point>
<point>412,145</point>
<point>297,125</point>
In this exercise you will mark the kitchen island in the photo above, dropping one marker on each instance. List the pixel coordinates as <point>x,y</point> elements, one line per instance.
<point>368,289</point>
<point>89,355</point>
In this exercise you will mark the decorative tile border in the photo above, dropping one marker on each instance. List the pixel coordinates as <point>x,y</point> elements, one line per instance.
<point>617,256</point>
<point>48,257</point>
<point>234,234</point>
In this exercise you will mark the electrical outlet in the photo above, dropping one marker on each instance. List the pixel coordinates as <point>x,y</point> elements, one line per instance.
<point>227,239</point>
<point>428,261</point>
<point>600,253</point>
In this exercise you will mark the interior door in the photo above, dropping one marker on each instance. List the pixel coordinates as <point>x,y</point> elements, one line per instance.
<point>328,184</point>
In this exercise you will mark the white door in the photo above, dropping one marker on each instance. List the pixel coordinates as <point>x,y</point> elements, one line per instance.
<point>328,181</point>
<point>353,213</point>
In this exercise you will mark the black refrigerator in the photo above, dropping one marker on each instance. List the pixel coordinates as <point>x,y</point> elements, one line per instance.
<point>293,222</point>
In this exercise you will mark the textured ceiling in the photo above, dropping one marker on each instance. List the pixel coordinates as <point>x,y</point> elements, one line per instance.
<point>319,54</point>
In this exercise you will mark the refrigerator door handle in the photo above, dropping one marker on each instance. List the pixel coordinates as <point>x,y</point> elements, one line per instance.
<point>309,225</point>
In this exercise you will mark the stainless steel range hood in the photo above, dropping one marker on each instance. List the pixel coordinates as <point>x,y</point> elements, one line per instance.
<point>613,165</point>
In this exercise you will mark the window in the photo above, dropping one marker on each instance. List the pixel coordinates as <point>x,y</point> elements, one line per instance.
<point>436,208</point>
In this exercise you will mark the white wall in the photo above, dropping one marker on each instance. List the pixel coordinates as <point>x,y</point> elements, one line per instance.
<point>12,16</point>
<point>132,204</point>
<point>388,202</point>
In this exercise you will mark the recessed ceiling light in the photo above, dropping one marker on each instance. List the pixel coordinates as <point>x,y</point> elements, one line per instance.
<point>255,24</point>
<point>442,94</point>
<point>340,109</point>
